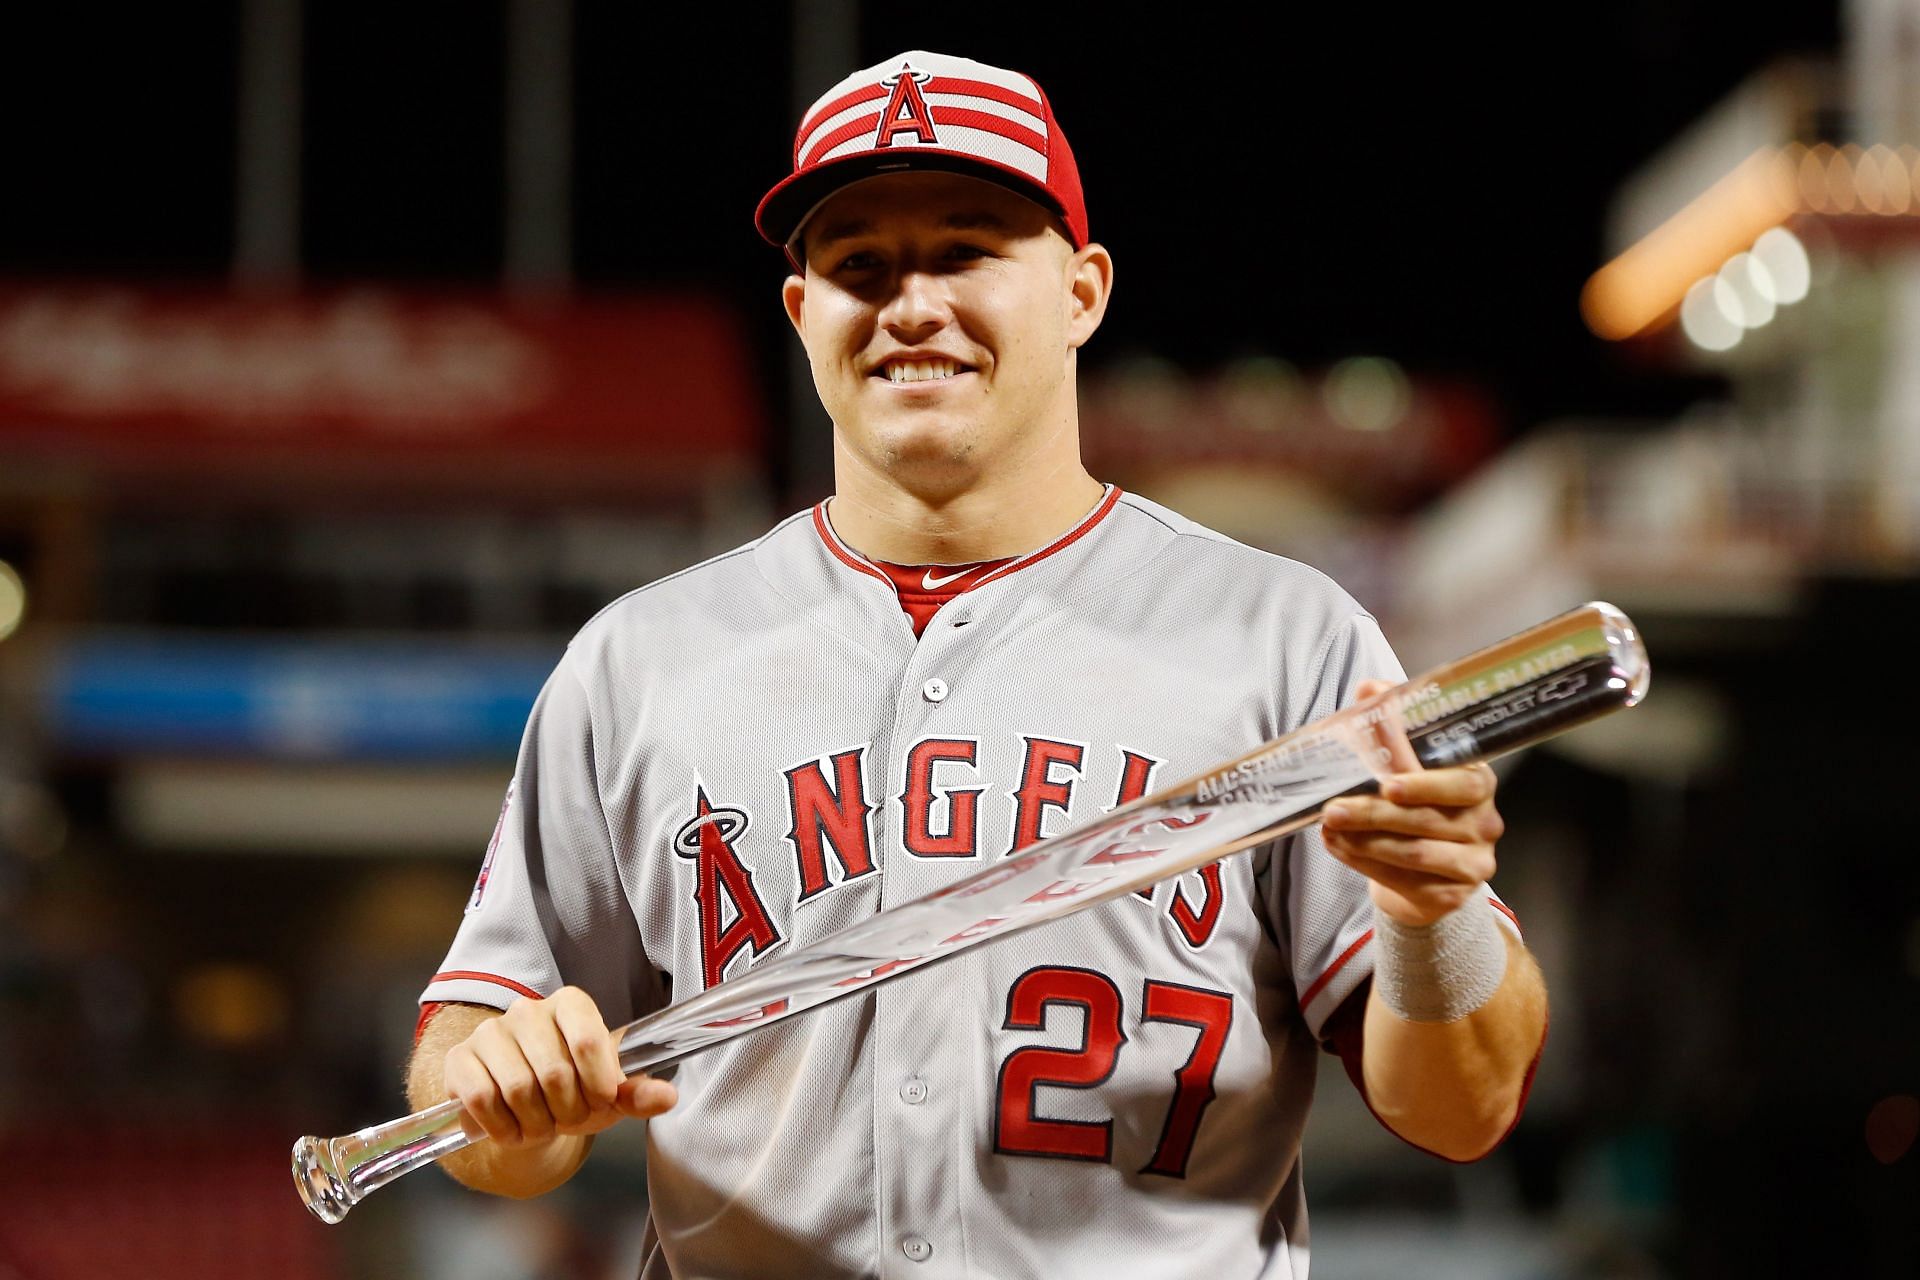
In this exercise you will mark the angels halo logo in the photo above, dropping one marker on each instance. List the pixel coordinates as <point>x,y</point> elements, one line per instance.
<point>907,110</point>
<point>728,824</point>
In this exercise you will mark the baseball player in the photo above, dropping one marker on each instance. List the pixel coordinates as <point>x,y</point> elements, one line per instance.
<point>972,645</point>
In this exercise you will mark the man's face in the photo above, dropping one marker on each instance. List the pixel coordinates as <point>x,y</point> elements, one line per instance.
<point>940,314</point>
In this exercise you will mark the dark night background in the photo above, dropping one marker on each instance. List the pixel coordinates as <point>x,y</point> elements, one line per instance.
<point>1420,182</point>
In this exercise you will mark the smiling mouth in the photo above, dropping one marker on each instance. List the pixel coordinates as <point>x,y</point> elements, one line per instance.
<point>934,370</point>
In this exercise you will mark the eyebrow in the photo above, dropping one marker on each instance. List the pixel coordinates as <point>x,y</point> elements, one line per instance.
<point>959,220</point>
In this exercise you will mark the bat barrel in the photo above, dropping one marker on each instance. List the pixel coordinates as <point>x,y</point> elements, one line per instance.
<point>1548,679</point>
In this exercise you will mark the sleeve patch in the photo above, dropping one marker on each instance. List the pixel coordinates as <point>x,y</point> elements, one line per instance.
<point>493,847</point>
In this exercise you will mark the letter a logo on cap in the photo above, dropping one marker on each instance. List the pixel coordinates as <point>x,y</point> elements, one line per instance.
<point>906,110</point>
<point>925,110</point>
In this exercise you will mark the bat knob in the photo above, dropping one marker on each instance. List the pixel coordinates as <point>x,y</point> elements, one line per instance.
<point>322,1189</point>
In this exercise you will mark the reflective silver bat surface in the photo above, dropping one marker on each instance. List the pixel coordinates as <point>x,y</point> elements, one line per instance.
<point>1543,681</point>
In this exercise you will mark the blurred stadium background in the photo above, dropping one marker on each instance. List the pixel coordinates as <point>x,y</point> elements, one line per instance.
<point>352,355</point>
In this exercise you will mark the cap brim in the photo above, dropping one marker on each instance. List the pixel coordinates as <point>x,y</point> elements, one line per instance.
<point>786,208</point>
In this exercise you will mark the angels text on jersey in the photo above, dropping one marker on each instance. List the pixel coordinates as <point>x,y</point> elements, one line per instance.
<point>829,834</point>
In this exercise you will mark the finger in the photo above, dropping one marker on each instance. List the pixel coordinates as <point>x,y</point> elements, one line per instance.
<point>1434,896</point>
<point>643,1097</point>
<point>1392,735</point>
<point>1468,864</point>
<point>1459,787</point>
<point>596,1058</point>
<point>469,1083</point>
<point>551,1060</point>
<point>1358,814</point>
<point>500,1054</point>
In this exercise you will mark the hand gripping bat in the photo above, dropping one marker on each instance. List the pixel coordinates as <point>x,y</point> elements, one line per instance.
<point>1543,681</point>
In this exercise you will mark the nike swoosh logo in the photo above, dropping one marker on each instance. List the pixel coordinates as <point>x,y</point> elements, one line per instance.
<point>932,583</point>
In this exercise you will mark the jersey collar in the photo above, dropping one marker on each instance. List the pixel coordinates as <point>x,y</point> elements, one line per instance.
<point>860,564</point>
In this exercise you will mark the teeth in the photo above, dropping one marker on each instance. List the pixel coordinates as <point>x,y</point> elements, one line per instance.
<point>921,370</point>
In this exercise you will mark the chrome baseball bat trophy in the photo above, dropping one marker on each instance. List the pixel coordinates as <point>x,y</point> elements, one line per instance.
<point>1541,682</point>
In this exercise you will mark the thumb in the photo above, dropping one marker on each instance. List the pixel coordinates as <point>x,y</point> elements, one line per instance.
<point>643,1096</point>
<point>1389,734</point>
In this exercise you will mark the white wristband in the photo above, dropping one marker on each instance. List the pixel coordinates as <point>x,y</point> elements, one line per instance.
<point>1443,971</point>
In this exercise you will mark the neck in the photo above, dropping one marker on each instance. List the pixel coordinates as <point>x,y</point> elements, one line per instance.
<point>1015,511</point>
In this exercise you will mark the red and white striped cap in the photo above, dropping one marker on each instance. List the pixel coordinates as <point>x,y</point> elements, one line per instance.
<point>921,110</point>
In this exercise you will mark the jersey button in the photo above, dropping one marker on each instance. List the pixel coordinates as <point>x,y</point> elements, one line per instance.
<point>914,1091</point>
<point>934,690</point>
<point>916,1249</point>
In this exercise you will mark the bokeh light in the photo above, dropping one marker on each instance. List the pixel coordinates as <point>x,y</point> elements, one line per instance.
<point>1705,320</point>
<point>1812,177</point>
<point>1780,252</point>
<point>1841,197</point>
<point>1367,393</point>
<point>13,600</point>
<point>1752,285</point>
<point>1261,393</point>
<point>231,1005</point>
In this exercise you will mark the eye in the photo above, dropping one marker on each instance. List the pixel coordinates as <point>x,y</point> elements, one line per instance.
<point>861,260</point>
<point>967,252</point>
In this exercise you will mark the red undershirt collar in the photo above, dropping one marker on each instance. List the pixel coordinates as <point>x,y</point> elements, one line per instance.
<point>923,588</point>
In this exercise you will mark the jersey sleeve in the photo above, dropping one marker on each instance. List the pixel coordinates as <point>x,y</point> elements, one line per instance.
<point>1318,906</point>
<point>548,909</point>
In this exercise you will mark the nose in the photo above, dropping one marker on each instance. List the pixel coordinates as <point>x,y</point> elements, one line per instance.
<point>917,308</point>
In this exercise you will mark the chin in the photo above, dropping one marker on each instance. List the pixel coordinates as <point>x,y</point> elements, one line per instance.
<point>928,443</point>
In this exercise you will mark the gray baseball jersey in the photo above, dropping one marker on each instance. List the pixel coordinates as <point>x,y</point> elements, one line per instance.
<point>748,755</point>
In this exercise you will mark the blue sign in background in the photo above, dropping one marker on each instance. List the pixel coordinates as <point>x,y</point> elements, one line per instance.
<point>343,699</point>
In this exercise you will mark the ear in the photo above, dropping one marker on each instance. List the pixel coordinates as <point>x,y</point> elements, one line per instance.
<point>793,295</point>
<point>1089,285</point>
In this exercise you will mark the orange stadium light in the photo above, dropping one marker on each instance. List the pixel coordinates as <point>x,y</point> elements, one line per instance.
<point>1647,282</point>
